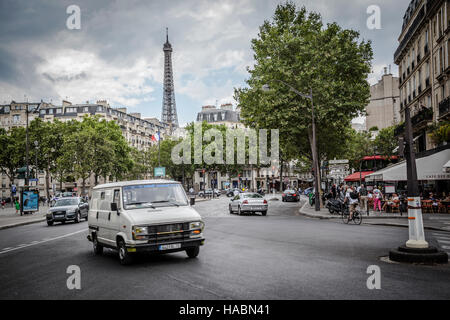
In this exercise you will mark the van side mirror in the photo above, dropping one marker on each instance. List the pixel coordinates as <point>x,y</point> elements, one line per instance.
<point>114,207</point>
<point>192,201</point>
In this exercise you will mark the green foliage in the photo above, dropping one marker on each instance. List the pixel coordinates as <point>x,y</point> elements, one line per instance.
<point>385,142</point>
<point>295,47</point>
<point>440,133</point>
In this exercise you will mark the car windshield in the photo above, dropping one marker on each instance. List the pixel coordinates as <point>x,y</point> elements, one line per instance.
<point>66,202</point>
<point>252,195</point>
<point>153,195</point>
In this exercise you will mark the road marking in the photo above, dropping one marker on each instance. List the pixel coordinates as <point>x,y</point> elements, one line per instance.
<point>6,248</point>
<point>21,246</point>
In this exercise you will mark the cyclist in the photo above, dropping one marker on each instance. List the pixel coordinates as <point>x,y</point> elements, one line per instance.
<point>352,198</point>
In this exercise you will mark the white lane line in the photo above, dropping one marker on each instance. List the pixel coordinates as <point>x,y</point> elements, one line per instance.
<point>39,242</point>
<point>6,248</point>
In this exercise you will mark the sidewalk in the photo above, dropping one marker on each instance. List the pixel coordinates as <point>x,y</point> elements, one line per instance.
<point>378,218</point>
<point>9,218</point>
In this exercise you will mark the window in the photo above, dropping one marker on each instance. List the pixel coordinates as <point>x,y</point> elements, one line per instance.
<point>6,109</point>
<point>42,111</point>
<point>50,111</point>
<point>86,109</point>
<point>16,118</point>
<point>58,111</point>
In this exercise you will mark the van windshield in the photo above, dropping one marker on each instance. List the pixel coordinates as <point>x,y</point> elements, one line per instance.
<point>153,195</point>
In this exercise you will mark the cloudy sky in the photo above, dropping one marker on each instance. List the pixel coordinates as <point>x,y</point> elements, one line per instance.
<point>117,54</point>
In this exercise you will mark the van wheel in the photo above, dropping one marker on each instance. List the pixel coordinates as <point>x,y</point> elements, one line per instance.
<point>49,223</point>
<point>124,256</point>
<point>77,219</point>
<point>98,249</point>
<point>231,210</point>
<point>264,213</point>
<point>239,210</point>
<point>193,252</point>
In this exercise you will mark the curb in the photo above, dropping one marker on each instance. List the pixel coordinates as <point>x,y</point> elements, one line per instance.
<point>21,223</point>
<point>369,218</point>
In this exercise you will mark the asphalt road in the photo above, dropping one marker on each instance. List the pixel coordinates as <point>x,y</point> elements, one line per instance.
<point>280,256</point>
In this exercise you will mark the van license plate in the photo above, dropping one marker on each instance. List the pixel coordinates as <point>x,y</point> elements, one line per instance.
<point>169,246</point>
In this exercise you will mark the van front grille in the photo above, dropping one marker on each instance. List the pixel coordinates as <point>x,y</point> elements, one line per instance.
<point>168,233</point>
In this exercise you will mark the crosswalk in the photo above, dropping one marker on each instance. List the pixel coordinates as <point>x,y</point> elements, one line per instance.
<point>443,239</point>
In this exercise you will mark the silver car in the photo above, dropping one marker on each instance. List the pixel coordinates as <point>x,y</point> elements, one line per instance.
<point>248,202</point>
<point>68,209</point>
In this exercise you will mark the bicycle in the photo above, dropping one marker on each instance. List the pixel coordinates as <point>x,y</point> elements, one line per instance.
<point>356,217</point>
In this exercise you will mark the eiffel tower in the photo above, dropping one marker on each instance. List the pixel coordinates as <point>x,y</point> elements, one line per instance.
<point>169,108</point>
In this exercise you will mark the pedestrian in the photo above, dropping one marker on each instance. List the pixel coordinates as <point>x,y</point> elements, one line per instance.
<point>16,203</point>
<point>363,198</point>
<point>377,196</point>
<point>333,191</point>
<point>3,203</point>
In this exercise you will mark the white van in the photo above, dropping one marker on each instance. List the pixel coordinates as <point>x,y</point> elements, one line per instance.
<point>143,215</point>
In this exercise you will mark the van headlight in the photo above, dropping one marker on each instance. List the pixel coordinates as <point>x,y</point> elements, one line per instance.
<point>196,229</point>
<point>196,225</point>
<point>139,232</point>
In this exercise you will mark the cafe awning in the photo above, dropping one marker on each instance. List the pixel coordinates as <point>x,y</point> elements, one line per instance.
<point>355,176</point>
<point>428,168</point>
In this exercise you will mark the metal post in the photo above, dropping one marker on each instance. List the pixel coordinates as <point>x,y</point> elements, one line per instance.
<point>26,148</point>
<point>316,165</point>
<point>415,221</point>
<point>159,156</point>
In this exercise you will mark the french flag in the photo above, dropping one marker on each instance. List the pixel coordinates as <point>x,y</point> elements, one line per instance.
<point>155,137</point>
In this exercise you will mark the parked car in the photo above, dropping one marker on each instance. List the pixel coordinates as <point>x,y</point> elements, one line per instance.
<point>308,191</point>
<point>68,209</point>
<point>208,193</point>
<point>290,195</point>
<point>144,216</point>
<point>248,202</point>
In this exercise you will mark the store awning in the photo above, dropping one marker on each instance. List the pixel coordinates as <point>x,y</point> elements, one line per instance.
<point>355,176</point>
<point>428,168</point>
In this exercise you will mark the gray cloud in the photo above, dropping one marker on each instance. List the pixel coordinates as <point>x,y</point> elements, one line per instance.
<point>117,54</point>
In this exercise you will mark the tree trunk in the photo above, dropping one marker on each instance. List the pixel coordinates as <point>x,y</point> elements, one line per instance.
<point>47,182</point>
<point>316,168</point>
<point>281,174</point>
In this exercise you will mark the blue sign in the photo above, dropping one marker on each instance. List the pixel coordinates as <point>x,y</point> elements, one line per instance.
<point>160,172</point>
<point>13,188</point>
<point>30,201</point>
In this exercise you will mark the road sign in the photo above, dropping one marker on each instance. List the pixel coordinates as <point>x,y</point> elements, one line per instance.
<point>160,172</point>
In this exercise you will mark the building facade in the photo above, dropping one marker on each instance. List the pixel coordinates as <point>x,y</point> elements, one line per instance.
<point>136,131</point>
<point>383,109</point>
<point>423,60</point>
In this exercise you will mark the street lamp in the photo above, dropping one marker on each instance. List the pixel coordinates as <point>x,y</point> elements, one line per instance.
<point>36,143</point>
<point>266,87</point>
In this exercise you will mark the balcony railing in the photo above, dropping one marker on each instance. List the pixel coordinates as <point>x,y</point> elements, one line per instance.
<point>424,115</point>
<point>444,107</point>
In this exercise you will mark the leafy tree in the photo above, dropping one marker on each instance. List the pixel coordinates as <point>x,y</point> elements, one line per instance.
<point>12,151</point>
<point>296,48</point>
<point>385,142</point>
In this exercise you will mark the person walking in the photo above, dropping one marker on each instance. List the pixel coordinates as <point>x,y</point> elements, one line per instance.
<point>333,191</point>
<point>3,203</point>
<point>363,198</point>
<point>16,203</point>
<point>377,196</point>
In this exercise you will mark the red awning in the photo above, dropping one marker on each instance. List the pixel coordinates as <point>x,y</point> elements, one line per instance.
<point>379,158</point>
<point>355,176</point>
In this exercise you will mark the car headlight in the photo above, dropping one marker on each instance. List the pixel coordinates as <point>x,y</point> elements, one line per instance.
<point>139,232</point>
<point>196,225</point>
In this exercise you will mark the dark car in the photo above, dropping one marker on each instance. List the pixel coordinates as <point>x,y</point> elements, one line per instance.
<point>290,195</point>
<point>68,209</point>
<point>230,192</point>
